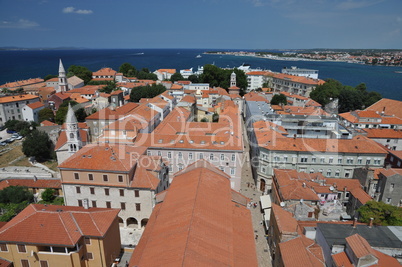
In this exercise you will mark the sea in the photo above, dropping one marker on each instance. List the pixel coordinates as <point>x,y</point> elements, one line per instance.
<point>24,64</point>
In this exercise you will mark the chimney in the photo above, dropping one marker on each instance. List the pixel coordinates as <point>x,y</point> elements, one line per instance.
<point>354,223</point>
<point>371,222</point>
<point>85,203</point>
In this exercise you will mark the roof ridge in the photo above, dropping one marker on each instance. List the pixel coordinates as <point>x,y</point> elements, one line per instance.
<point>200,176</point>
<point>6,227</point>
<point>308,248</point>
<point>96,225</point>
<point>65,227</point>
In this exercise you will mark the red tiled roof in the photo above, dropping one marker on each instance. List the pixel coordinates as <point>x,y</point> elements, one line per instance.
<point>7,99</point>
<point>146,175</point>
<point>105,157</point>
<point>31,183</point>
<point>252,96</point>
<point>341,260</point>
<point>171,71</point>
<point>109,114</point>
<point>285,221</point>
<point>57,225</point>
<point>358,144</point>
<point>361,195</point>
<point>298,79</point>
<point>359,245</point>
<point>197,224</point>
<point>21,83</point>
<point>301,251</point>
<point>104,72</point>
<point>390,107</point>
<point>35,105</point>
<point>383,133</point>
<point>47,123</point>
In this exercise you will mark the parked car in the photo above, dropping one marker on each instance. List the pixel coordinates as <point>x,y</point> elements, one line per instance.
<point>3,143</point>
<point>18,137</point>
<point>11,131</point>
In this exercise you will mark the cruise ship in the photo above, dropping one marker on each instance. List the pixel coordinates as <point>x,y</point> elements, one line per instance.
<point>301,72</point>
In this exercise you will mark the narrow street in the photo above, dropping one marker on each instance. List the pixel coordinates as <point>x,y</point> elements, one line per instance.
<point>263,255</point>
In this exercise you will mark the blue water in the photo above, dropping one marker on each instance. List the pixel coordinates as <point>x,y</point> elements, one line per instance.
<point>18,65</point>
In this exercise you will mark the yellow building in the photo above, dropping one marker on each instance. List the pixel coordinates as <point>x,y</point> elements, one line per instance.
<point>51,235</point>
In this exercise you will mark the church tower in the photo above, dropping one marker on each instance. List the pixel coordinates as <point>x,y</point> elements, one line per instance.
<point>63,86</point>
<point>72,131</point>
<point>233,80</point>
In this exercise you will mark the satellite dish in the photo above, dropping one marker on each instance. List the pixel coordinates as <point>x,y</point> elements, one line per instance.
<point>331,188</point>
<point>282,204</point>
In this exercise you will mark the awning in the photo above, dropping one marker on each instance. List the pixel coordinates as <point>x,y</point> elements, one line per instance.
<point>265,202</point>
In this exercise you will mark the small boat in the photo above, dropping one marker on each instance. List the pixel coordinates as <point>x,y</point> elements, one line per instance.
<point>198,56</point>
<point>398,71</point>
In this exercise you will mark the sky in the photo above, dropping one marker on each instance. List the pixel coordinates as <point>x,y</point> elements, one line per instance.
<point>220,24</point>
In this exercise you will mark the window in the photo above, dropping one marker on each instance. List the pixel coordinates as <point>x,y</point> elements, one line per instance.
<point>120,177</point>
<point>349,161</point>
<point>92,190</point>
<point>76,176</point>
<point>313,159</point>
<point>3,247</point>
<point>90,256</point>
<point>388,200</point>
<point>303,159</point>
<point>222,156</point>
<point>44,264</point>
<point>368,161</point>
<point>159,153</point>
<point>105,179</point>
<point>391,188</point>
<point>322,160</point>
<point>329,172</point>
<point>121,192</point>
<point>377,161</point>
<point>94,203</point>
<point>233,157</point>
<point>232,171</point>
<point>87,240</point>
<point>180,155</point>
<point>78,190</point>
<point>108,204</point>
<point>148,153</point>
<point>331,160</point>
<point>137,193</point>
<point>79,202</point>
<point>201,156</point>
<point>285,158</point>
<point>311,170</point>
<point>169,155</point>
<point>211,157</point>
<point>106,191</point>
<point>24,263</point>
<point>123,205</point>
<point>340,161</point>
<point>138,206</point>
<point>359,161</point>
<point>337,173</point>
<point>21,248</point>
<point>190,155</point>
<point>90,177</point>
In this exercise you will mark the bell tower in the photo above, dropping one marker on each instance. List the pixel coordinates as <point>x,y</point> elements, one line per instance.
<point>233,79</point>
<point>72,131</point>
<point>63,86</point>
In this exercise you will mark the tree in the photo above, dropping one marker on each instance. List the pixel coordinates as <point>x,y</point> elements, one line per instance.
<point>61,114</point>
<point>81,72</point>
<point>215,117</point>
<point>383,214</point>
<point>46,114</point>
<point>66,103</point>
<point>128,70</point>
<point>142,75</point>
<point>204,119</point>
<point>80,114</point>
<point>216,76</point>
<point>146,92</point>
<point>15,194</point>
<point>193,78</point>
<point>350,99</point>
<point>110,87</point>
<point>37,144</point>
<point>279,99</point>
<point>176,77</point>
<point>48,195</point>
<point>50,76</point>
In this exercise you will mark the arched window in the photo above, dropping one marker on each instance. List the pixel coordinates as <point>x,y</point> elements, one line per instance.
<point>71,135</point>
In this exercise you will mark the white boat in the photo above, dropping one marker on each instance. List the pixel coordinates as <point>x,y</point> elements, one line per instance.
<point>198,56</point>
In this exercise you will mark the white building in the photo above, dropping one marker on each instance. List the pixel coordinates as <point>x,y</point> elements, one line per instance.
<point>11,106</point>
<point>31,111</point>
<point>301,72</point>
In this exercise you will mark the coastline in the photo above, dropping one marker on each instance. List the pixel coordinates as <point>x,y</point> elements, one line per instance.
<point>299,59</point>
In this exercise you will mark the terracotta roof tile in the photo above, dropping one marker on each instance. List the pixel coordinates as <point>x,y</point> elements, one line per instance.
<point>57,225</point>
<point>8,99</point>
<point>31,183</point>
<point>105,157</point>
<point>383,133</point>
<point>390,107</point>
<point>341,260</point>
<point>197,225</point>
<point>104,72</point>
<point>286,223</point>
<point>35,105</point>
<point>21,83</point>
<point>298,252</point>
